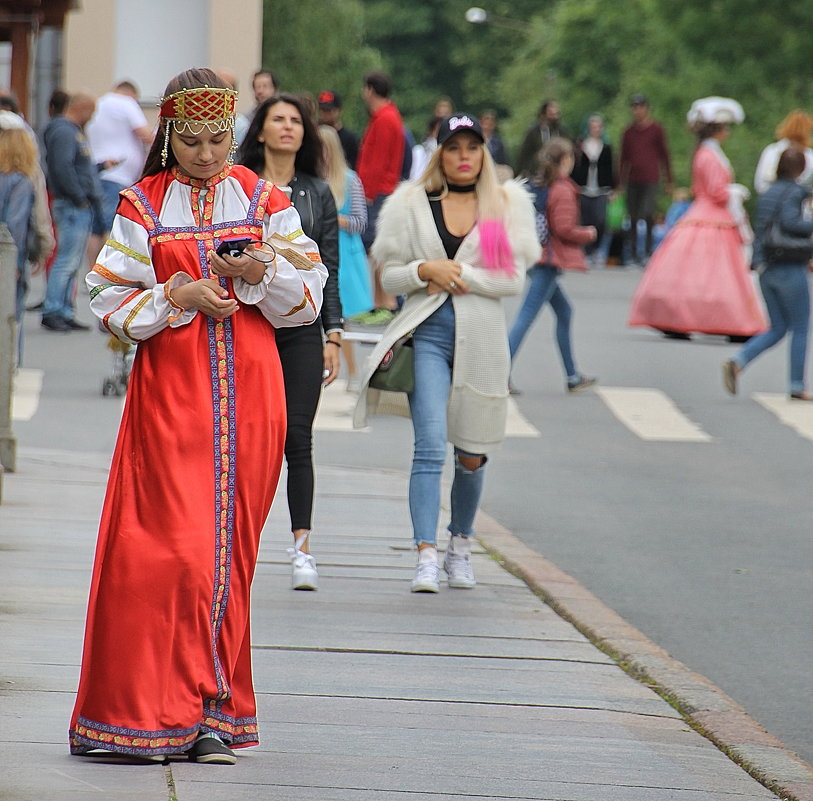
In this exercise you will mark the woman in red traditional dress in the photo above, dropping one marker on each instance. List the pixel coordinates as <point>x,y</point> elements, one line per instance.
<point>699,280</point>
<point>166,667</point>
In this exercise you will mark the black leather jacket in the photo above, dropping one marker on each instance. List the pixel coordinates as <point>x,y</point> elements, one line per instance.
<point>313,200</point>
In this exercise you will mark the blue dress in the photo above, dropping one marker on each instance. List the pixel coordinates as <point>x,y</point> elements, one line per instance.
<point>355,292</point>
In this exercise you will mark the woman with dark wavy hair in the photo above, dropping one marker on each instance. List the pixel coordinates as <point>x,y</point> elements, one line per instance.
<point>283,146</point>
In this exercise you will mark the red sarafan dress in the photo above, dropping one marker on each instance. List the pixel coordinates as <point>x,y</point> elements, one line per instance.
<point>698,280</point>
<point>167,642</point>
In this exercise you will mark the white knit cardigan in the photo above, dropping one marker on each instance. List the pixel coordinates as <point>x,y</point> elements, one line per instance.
<point>406,237</point>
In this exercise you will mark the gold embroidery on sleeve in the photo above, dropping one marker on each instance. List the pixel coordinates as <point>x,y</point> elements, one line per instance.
<point>127,251</point>
<point>132,315</point>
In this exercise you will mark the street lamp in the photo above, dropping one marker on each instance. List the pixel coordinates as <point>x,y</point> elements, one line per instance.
<point>479,16</point>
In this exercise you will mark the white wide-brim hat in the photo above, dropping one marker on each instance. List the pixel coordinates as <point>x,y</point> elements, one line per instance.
<point>722,110</point>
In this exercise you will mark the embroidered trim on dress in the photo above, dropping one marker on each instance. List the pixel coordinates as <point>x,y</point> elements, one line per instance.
<point>142,206</point>
<point>89,734</point>
<point>237,730</point>
<point>199,183</point>
<point>167,290</point>
<point>114,278</point>
<point>120,306</point>
<point>221,358</point>
<point>133,314</point>
<point>127,251</point>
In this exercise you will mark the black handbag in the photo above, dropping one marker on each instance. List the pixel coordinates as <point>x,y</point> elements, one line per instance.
<point>779,246</point>
<point>396,372</point>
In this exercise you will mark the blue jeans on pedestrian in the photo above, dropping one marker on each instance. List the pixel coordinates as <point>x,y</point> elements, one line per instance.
<point>72,225</point>
<point>433,352</point>
<point>544,288</point>
<point>787,296</point>
<point>104,214</point>
<point>373,208</point>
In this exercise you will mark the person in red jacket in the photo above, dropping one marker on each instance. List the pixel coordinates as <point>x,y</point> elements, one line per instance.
<point>379,166</point>
<point>563,250</point>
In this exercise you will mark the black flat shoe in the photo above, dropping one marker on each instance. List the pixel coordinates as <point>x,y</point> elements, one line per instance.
<point>54,323</point>
<point>75,325</point>
<point>211,751</point>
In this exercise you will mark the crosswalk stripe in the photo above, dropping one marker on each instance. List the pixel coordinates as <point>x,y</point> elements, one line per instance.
<point>26,396</point>
<point>337,404</point>
<point>651,415</point>
<point>798,415</point>
<point>517,425</point>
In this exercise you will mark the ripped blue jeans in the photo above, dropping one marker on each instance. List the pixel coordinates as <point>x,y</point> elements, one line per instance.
<point>434,343</point>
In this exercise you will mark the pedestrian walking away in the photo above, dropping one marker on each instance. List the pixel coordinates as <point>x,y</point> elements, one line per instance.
<point>283,145</point>
<point>557,198</point>
<point>454,243</point>
<point>166,667</point>
<point>783,278</point>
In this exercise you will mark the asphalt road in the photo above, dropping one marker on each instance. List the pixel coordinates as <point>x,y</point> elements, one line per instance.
<point>704,546</point>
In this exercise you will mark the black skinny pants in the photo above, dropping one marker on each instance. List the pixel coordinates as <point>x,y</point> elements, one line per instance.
<point>301,353</point>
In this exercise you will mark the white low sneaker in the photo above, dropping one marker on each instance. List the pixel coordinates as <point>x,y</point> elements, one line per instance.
<point>457,563</point>
<point>427,571</point>
<point>304,575</point>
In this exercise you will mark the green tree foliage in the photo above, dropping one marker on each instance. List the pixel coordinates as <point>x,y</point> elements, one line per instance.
<point>594,54</point>
<point>431,51</point>
<point>590,55</point>
<point>312,45</point>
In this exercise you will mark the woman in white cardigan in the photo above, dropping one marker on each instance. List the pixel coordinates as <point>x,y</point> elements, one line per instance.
<point>454,242</point>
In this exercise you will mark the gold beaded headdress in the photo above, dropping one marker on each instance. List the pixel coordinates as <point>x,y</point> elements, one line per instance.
<point>190,110</point>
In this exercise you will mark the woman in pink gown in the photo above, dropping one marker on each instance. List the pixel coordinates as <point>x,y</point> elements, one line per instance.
<point>699,279</point>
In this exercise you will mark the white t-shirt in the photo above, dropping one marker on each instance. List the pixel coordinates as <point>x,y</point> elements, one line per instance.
<point>765,173</point>
<point>111,135</point>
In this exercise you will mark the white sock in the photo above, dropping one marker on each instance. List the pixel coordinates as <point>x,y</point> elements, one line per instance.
<point>460,545</point>
<point>429,555</point>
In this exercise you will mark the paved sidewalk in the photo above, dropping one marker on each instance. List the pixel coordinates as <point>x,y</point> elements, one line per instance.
<point>365,691</point>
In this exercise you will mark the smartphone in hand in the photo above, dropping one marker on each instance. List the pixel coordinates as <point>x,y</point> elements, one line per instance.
<point>232,247</point>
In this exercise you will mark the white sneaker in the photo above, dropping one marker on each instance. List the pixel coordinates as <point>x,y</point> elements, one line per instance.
<point>303,568</point>
<point>457,563</point>
<point>427,571</point>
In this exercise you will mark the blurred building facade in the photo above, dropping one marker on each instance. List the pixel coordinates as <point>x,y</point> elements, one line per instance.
<point>92,44</point>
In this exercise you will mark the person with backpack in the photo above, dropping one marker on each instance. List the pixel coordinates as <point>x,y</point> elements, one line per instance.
<point>783,275</point>
<point>556,200</point>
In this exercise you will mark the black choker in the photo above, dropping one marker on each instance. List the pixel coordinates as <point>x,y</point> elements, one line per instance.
<point>459,188</point>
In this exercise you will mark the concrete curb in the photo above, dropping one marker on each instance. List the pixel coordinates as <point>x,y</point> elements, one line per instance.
<point>704,706</point>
